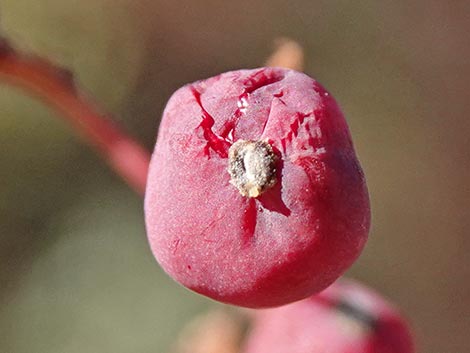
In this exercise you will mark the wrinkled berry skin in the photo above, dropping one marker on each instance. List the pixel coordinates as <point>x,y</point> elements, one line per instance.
<point>345,318</point>
<point>289,242</point>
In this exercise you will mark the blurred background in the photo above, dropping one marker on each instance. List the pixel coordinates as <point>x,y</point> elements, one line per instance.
<point>76,274</point>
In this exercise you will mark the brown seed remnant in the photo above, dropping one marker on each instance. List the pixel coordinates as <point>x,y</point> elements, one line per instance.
<point>252,167</point>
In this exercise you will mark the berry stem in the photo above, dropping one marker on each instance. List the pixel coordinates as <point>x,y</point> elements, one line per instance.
<point>55,86</point>
<point>287,54</point>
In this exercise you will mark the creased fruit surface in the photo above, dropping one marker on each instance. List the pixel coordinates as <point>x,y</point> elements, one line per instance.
<point>294,239</point>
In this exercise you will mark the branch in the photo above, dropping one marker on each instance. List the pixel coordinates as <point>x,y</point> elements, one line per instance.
<point>217,331</point>
<point>288,54</point>
<point>55,86</point>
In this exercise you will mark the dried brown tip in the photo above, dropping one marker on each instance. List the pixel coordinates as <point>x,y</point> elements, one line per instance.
<point>288,54</point>
<point>252,167</point>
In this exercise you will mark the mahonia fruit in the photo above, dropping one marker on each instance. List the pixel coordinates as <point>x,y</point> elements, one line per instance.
<point>255,196</point>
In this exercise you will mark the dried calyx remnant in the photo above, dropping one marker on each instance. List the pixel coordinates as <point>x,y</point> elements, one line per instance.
<point>252,167</point>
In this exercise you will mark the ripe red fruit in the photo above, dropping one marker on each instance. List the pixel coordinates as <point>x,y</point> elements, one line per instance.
<point>345,318</point>
<point>255,196</point>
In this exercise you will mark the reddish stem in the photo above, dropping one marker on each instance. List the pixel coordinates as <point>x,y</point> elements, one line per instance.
<point>55,86</point>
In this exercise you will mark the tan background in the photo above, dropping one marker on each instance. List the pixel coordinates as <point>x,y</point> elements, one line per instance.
<point>76,274</point>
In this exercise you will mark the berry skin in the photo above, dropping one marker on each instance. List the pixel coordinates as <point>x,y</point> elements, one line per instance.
<point>255,196</point>
<point>345,318</point>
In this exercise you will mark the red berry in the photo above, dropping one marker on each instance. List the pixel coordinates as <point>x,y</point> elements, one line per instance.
<point>346,318</point>
<point>255,196</point>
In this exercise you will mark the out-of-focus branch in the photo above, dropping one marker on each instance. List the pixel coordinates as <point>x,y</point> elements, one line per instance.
<point>214,332</point>
<point>287,53</point>
<point>55,86</point>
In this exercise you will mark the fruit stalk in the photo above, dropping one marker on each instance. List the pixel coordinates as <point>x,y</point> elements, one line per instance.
<point>287,54</point>
<point>55,86</point>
